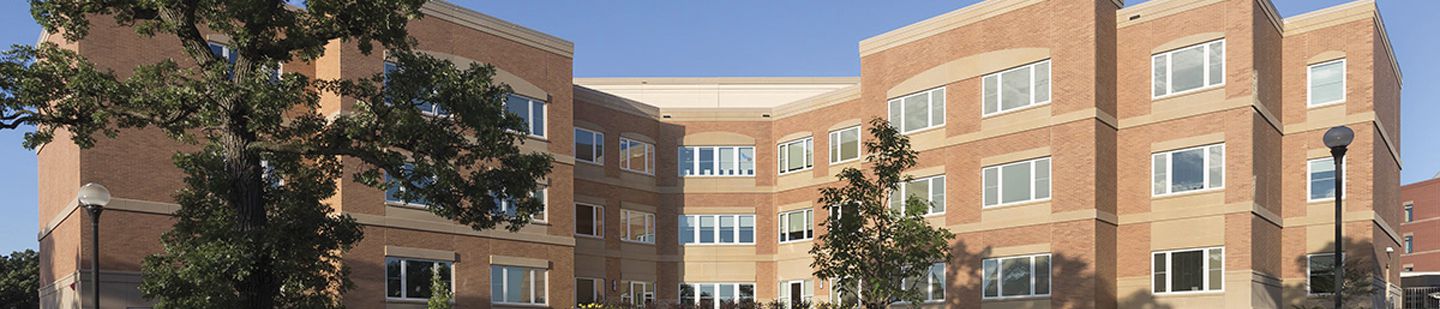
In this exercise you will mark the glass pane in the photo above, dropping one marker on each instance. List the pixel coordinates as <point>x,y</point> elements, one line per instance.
<point>1015,183</point>
<point>517,282</point>
<point>393,284</point>
<point>1327,82</point>
<point>747,160</point>
<point>725,292</point>
<point>834,146</point>
<point>417,279</point>
<point>992,94</point>
<point>1042,179</point>
<point>991,278</point>
<point>849,144</point>
<point>584,291</point>
<point>1014,89</point>
<point>1016,280</point>
<point>1042,82</point>
<point>1042,275</point>
<point>584,146</point>
<point>707,229</point>
<point>1187,271</point>
<point>1159,271</point>
<point>1217,263</point>
<point>1217,63</point>
<point>795,157</point>
<point>1216,166</point>
<point>937,281</point>
<point>1189,69</point>
<point>687,161</point>
<point>727,161</point>
<point>584,220</point>
<point>795,225</point>
<point>1322,179</point>
<point>687,229</point>
<point>537,118</point>
<point>1322,274</point>
<point>542,284</point>
<point>937,106</point>
<point>747,291</point>
<point>747,229</point>
<point>1159,73</point>
<point>1188,170</point>
<point>897,112</point>
<point>992,186</point>
<point>917,112</point>
<point>727,229</point>
<point>497,286</point>
<point>1160,164</point>
<point>918,190</point>
<point>707,161</point>
<point>635,225</point>
<point>937,195</point>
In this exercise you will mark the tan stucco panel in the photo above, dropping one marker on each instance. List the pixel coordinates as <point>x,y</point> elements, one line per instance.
<point>519,261</point>
<point>1187,233</point>
<point>419,253</point>
<point>1325,56</point>
<point>966,68</point>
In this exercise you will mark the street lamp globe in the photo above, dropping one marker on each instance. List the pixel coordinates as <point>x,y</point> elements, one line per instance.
<point>1339,137</point>
<point>94,194</point>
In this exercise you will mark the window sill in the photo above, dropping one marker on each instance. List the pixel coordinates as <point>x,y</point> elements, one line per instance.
<point>589,236</point>
<point>637,242</point>
<point>923,130</point>
<point>796,171</point>
<point>1015,204</point>
<point>637,172</point>
<point>1186,92</point>
<point>1014,298</point>
<point>719,245</point>
<point>407,205</point>
<point>1325,104</point>
<point>1192,192</point>
<point>797,241</point>
<point>1189,293</point>
<point>846,161</point>
<point>595,163</point>
<point>717,176</point>
<point>1015,110</point>
<point>520,305</point>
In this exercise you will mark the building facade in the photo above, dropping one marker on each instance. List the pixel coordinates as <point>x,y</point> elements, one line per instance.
<point>1086,154</point>
<point>1420,226</point>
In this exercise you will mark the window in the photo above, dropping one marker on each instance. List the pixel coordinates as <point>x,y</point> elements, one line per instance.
<point>1021,87</point>
<point>395,191</point>
<point>590,220</point>
<point>411,278</point>
<point>1327,83</point>
<point>716,295</point>
<point>589,146</point>
<point>797,225</point>
<point>918,111</point>
<point>1409,212</point>
<point>518,285</point>
<point>1190,270</point>
<point>1188,68</point>
<point>929,189</point>
<point>589,290</point>
<point>717,161</point>
<point>845,144</point>
<point>1190,169</point>
<point>1017,182</point>
<point>637,293</point>
<point>1321,185</point>
<point>511,206</point>
<point>717,229</point>
<point>1020,276</point>
<point>637,156</point>
<point>532,110</point>
<point>639,226</point>
<point>931,285</point>
<point>1409,244</point>
<point>796,155</point>
<point>795,292</point>
<point>426,108</point>
<point>1321,273</point>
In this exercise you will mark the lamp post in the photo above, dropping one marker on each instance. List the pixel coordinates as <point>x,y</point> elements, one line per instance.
<point>93,197</point>
<point>1338,138</point>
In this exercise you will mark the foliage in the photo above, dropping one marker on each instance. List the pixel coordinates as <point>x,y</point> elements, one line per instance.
<point>440,297</point>
<point>1357,286</point>
<point>253,230</point>
<point>868,247</point>
<point>20,280</point>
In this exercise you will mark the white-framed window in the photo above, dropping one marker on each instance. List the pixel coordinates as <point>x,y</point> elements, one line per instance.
<point>1016,88</point>
<point>845,144</point>
<point>794,292</point>
<point>1189,68</point>
<point>1189,169</point>
<point>590,220</point>
<point>1409,244</point>
<point>407,278</point>
<point>717,161</point>
<point>716,295</point>
<point>637,156</point>
<point>589,146</point>
<point>1188,270</point>
<point>919,111</point>
<point>1409,212</point>
<point>1017,276</point>
<point>796,155</point>
<point>930,189</point>
<point>637,293</point>
<point>717,229</point>
<point>1017,182</point>
<point>518,285</point>
<point>531,109</point>
<point>393,189</point>
<point>1326,83</point>
<point>1320,184</point>
<point>797,225</point>
<point>589,290</point>
<point>425,108</point>
<point>931,285</point>
<point>510,206</point>
<point>1320,273</point>
<point>639,226</point>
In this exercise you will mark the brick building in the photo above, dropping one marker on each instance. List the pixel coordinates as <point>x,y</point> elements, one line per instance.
<point>1087,154</point>
<point>1420,226</point>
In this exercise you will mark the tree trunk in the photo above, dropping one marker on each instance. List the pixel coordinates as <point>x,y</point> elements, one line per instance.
<point>246,176</point>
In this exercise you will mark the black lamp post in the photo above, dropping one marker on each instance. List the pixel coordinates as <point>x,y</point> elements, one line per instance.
<point>93,197</point>
<point>1338,138</point>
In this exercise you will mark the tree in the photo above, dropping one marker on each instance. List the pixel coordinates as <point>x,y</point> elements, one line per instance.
<point>869,248</point>
<point>252,230</point>
<point>20,280</point>
<point>439,289</point>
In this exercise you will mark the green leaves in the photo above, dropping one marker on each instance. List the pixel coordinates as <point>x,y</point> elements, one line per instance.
<point>19,279</point>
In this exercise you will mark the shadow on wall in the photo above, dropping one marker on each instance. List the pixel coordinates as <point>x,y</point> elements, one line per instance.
<point>1074,284</point>
<point>1364,277</point>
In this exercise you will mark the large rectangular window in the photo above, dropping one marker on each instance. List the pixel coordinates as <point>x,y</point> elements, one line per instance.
<point>845,144</point>
<point>590,220</point>
<point>1327,83</point>
<point>796,292</point>
<point>928,189</point>
<point>797,225</point>
<point>918,111</point>
<point>1321,184</point>
<point>1409,212</point>
<point>394,190</point>
<point>511,207</point>
<point>1189,169</point>
<point>589,290</point>
<point>532,110</point>
<point>1320,270</point>
<point>716,295</point>
<point>1016,88</point>
<point>589,146</point>
<point>1190,68</point>
<point>639,226</point>
<point>637,293</point>
<point>796,155</point>
<point>930,285</point>
<point>717,229</point>
<point>410,278</point>
<point>637,156</point>
<point>1188,270</point>
<point>1020,276</point>
<point>717,161</point>
<point>1017,182</point>
<point>518,285</point>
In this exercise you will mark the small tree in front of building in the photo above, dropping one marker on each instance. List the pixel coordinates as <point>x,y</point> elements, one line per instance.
<point>440,297</point>
<point>868,248</point>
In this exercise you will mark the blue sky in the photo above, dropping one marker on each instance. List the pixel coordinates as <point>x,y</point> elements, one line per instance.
<point>757,38</point>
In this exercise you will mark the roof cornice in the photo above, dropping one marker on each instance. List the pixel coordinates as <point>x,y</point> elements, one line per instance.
<point>479,21</point>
